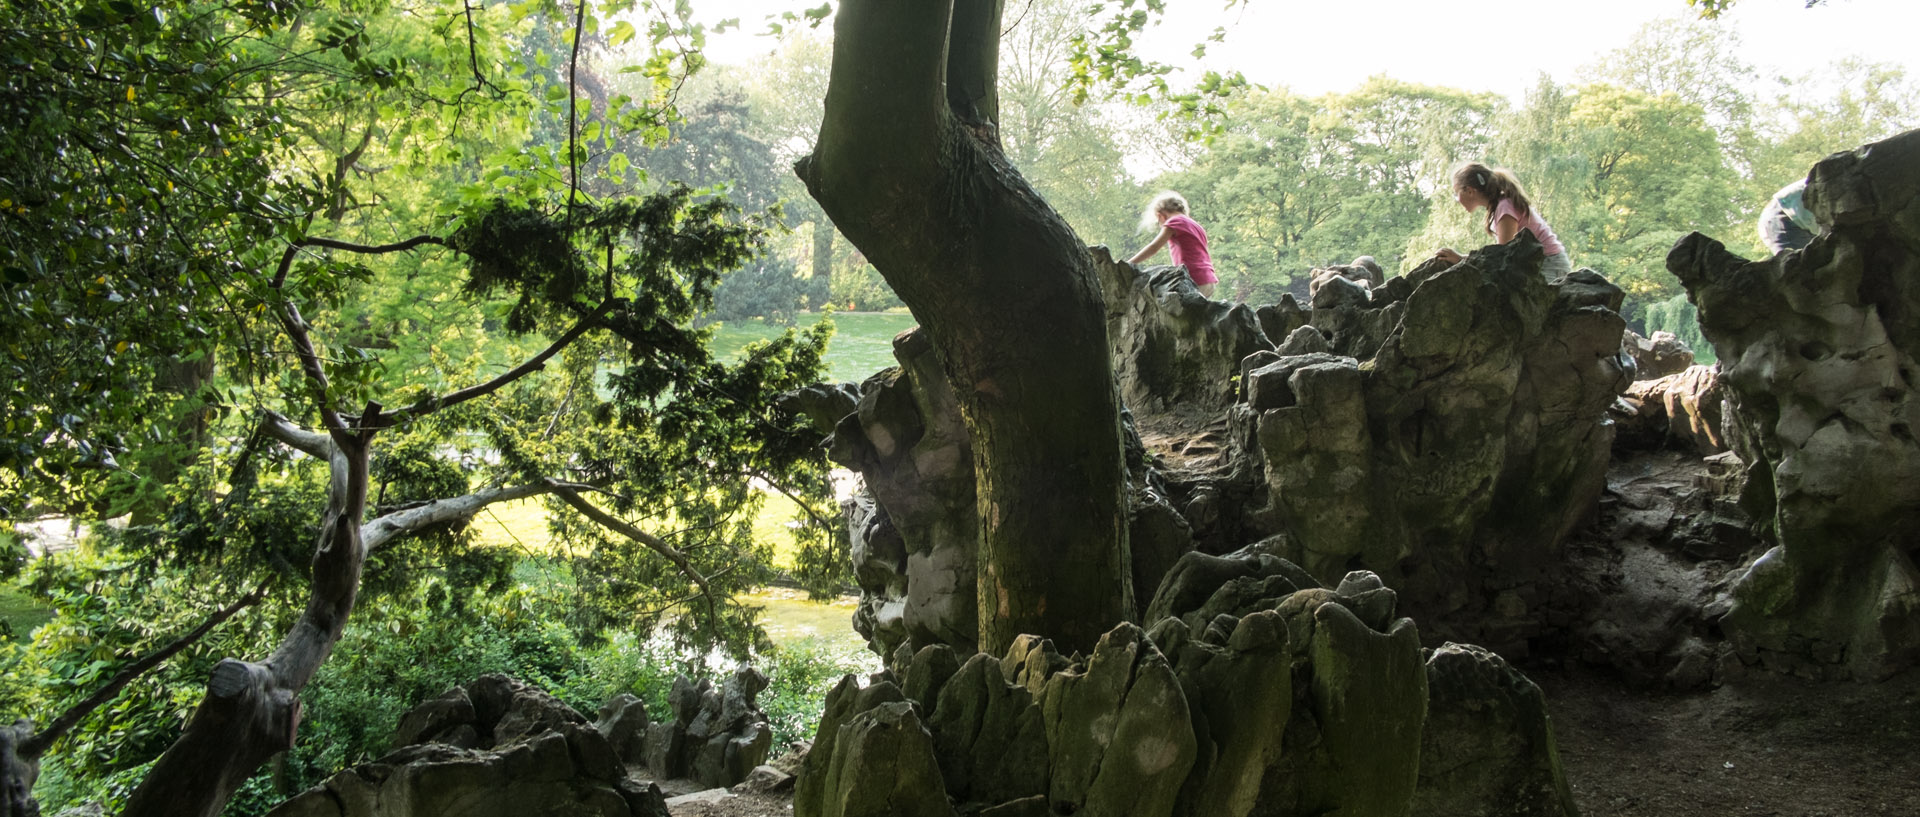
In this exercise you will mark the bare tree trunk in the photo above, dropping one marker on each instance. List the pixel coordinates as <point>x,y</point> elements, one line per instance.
<point>251,711</point>
<point>909,167</point>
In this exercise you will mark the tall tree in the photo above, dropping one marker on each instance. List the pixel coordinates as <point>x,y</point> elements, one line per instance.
<point>909,165</point>
<point>1850,103</point>
<point>1694,60</point>
<point>221,243</point>
<point>1065,147</point>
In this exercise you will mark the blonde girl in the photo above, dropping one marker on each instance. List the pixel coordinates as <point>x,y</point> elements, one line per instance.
<point>1181,235</point>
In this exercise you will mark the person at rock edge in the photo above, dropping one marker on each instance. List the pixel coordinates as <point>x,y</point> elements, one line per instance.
<point>1477,186</point>
<point>1183,237</point>
<point>1785,223</point>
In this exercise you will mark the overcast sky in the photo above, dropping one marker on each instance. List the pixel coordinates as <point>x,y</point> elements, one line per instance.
<point>1317,46</point>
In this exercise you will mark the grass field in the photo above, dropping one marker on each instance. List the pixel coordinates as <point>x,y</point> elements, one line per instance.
<point>20,613</point>
<point>862,341</point>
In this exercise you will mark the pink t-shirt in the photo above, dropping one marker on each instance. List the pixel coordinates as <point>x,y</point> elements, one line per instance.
<point>1187,243</point>
<point>1530,221</point>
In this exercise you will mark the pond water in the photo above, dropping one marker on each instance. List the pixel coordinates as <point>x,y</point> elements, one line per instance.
<point>790,617</point>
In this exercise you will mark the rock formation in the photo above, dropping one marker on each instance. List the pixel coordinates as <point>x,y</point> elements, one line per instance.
<point>914,560</point>
<point>1658,356</point>
<point>716,736</point>
<point>1487,749</point>
<point>1684,410</point>
<point>1257,691</point>
<point>1425,427</point>
<point>493,747</point>
<point>1184,348</point>
<point>1446,430</point>
<point>1644,586</point>
<point>1818,354</point>
<point>913,529</point>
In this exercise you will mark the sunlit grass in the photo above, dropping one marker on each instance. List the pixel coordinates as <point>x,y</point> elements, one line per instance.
<point>21,613</point>
<point>521,526</point>
<point>862,342</point>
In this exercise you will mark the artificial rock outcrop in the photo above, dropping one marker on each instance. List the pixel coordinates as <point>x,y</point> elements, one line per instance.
<point>716,736</point>
<point>1256,692</point>
<point>1684,411</point>
<point>494,747</point>
<point>913,528</point>
<point>914,534</point>
<point>1446,430</point>
<point>1658,356</point>
<point>1173,348</point>
<point>1817,351</point>
<point>1488,748</point>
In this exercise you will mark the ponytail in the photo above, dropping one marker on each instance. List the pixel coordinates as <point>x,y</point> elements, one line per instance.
<point>1494,184</point>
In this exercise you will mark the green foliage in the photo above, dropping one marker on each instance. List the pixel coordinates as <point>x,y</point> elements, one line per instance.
<point>1296,183</point>
<point>799,676</point>
<point>769,288</point>
<point>379,671</point>
<point>1102,58</point>
<point>109,610</point>
<point>1619,174</point>
<point>142,145</point>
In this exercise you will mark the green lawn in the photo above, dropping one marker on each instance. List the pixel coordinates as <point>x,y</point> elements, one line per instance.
<point>522,527</point>
<point>862,341</point>
<point>21,613</point>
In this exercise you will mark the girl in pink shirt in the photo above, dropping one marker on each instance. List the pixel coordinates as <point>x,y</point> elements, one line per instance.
<point>1475,186</point>
<point>1181,235</point>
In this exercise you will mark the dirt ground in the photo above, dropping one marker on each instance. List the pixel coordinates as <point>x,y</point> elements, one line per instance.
<point>1760,746</point>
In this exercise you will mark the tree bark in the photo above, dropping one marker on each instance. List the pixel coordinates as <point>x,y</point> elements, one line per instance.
<point>251,710</point>
<point>908,166</point>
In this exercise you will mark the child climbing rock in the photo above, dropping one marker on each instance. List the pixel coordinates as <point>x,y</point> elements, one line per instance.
<point>1181,235</point>
<point>1476,186</point>
<point>1785,223</point>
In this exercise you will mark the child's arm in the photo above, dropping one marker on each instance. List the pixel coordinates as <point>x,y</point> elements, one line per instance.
<point>1505,229</point>
<point>1153,247</point>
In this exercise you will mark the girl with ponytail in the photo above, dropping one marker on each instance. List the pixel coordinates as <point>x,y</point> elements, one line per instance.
<point>1508,212</point>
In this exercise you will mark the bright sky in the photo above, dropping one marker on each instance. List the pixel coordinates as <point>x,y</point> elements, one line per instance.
<point>1317,46</point>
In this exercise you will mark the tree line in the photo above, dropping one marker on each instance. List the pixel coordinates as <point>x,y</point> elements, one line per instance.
<point>1669,133</point>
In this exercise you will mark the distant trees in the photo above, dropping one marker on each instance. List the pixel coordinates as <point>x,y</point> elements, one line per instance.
<point>1670,133</point>
<point>1294,183</point>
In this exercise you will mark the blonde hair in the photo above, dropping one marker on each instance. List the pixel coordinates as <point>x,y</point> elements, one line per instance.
<point>1493,184</point>
<point>1166,201</point>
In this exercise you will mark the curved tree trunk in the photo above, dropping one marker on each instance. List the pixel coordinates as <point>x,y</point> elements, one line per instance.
<point>909,168</point>
<point>251,711</point>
